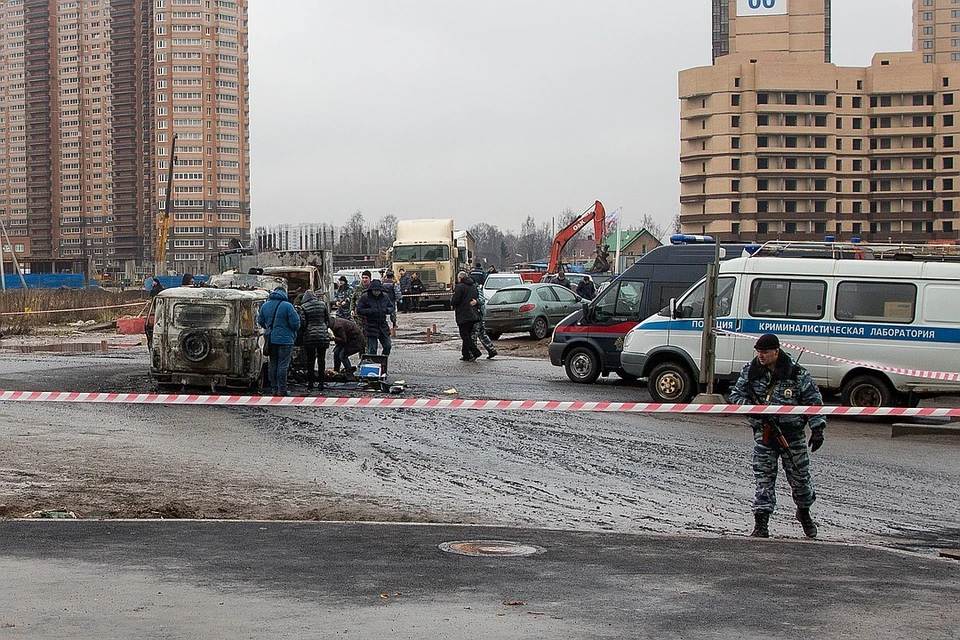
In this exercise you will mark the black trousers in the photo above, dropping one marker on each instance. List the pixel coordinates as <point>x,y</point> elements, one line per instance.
<point>316,354</point>
<point>468,348</point>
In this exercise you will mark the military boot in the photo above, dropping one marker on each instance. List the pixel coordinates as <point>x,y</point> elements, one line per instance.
<point>761,529</point>
<point>809,526</point>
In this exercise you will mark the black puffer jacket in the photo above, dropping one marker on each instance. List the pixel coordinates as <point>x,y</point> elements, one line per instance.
<point>465,292</point>
<point>315,321</point>
<point>375,310</point>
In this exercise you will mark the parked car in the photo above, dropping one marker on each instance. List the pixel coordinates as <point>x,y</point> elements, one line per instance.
<point>536,308</point>
<point>495,281</point>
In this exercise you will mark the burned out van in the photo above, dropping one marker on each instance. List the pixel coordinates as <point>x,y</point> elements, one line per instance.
<point>206,336</point>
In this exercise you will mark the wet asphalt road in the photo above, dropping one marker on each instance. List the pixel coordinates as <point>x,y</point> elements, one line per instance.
<point>594,472</point>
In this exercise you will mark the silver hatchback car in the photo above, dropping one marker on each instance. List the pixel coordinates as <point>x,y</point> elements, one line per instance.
<point>536,308</point>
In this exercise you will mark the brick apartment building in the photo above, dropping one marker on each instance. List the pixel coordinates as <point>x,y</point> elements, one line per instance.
<point>778,142</point>
<point>91,92</point>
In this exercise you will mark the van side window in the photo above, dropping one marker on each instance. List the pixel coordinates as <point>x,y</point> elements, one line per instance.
<point>692,305</point>
<point>876,302</point>
<point>788,298</point>
<point>621,300</point>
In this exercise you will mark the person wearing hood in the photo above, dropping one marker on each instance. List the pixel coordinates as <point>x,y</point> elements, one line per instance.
<point>281,322</point>
<point>375,307</point>
<point>315,320</point>
<point>348,340</point>
<point>466,307</point>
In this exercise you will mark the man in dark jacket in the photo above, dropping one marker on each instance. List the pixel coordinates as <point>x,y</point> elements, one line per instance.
<point>404,290</point>
<point>348,340</point>
<point>586,289</point>
<point>561,280</point>
<point>315,319</point>
<point>417,289</point>
<point>774,378</point>
<point>156,288</point>
<point>478,275</point>
<point>466,309</point>
<point>281,321</point>
<point>375,307</point>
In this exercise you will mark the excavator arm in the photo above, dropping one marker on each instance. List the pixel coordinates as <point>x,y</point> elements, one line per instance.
<point>595,213</point>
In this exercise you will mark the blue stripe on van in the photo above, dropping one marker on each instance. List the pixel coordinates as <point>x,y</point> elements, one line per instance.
<point>898,332</point>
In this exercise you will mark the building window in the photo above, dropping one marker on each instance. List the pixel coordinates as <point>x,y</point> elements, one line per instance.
<point>858,123</point>
<point>735,185</point>
<point>790,206</point>
<point>790,142</point>
<point>948,226</point>
<point>763,206</point>
<point>735,228</point>
<point>762,141</point>
<point>763,120</point>
<point>763,98</point>
<point>790,163</point>
<point>762,227</point>
<point>763,185</point>
<point>948,184</point>
<point>820,142</point>
<point>735,100</point>
<point>790,98</point>
<point>735,164</point>
<point>734,143</point>
<point>948,120</point>
<point>790,185</point>
<point>820,121</point>
<point>948,162</point>
<point>858,165</point>
<point>734,121</point>
<point>948,141</point>
<point>820,164</point>
<point>763,163</point>
<point>948,98</point>
<point>858,101</point>
<point>790,121</point>
<point>735,206</point>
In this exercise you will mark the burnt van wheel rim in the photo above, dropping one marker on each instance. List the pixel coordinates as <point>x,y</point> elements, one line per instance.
<point>195,346</point>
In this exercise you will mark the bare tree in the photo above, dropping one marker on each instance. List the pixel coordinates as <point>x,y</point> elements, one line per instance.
<point>387,226</point>
<point>352,234</point>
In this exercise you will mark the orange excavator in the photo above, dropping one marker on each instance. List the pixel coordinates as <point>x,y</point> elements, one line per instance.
<point>595,213</point>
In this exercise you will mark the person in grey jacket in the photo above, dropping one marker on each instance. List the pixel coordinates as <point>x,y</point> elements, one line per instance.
<point>315,319</point>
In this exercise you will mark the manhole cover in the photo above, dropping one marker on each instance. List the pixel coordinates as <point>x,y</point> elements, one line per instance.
<point>491,548</point>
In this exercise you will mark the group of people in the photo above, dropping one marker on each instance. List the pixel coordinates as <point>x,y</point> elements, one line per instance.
<point>358,325</point>
<point>469,307</point>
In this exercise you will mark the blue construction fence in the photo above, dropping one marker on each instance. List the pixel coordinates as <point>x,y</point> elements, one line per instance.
<point>78,281</point>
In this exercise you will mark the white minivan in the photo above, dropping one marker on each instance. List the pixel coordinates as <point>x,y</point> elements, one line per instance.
<point>902,313</point>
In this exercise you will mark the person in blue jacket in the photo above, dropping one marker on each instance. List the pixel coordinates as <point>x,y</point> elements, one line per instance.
<point>281,321</point>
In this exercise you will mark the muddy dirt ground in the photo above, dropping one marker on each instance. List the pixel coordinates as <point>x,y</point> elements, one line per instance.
<point>619,472</point>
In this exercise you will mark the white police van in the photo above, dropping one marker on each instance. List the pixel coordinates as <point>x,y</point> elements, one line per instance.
<point>893,308</point>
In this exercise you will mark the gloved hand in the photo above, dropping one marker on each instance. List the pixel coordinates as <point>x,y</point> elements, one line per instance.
<point>816,439</point>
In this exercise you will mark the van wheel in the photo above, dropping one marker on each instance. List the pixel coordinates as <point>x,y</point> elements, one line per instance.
<point>670,382</point>
<point>539,329</point>
<point>866,391</point>
<point>582,365</point>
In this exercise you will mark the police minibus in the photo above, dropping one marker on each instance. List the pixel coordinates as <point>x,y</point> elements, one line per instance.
<point>897,313</point>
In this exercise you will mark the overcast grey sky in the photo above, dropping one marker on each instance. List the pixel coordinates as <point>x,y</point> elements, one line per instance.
<point>486,110</point>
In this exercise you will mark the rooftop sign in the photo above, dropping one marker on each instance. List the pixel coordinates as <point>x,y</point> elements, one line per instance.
<point>761,8</point>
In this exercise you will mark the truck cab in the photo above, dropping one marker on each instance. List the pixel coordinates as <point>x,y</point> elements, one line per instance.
<point>588,342</point>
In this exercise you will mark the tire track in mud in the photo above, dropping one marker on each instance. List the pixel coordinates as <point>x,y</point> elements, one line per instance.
<point>631,474</point>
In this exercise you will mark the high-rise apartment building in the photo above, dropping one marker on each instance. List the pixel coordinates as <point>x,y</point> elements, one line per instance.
<point>936,30</point>
<point>803,30</point>
<point>778,143</point>
<point>91,93</point>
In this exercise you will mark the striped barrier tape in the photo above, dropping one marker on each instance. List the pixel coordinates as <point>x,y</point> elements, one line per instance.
<point>113,306</point>
<point>912,373</point>
<point>467,404</point>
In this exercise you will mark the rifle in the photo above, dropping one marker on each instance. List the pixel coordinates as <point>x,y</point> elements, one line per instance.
<point>775,434</point>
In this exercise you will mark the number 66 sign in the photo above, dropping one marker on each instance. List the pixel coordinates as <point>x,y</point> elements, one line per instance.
<point>761,7</point>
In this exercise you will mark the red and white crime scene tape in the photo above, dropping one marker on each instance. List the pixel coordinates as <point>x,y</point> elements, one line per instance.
<point>464,404</point>
<point>912,373</point>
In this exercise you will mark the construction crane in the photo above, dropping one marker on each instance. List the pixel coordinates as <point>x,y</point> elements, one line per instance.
<point>160,266</point>
<point>595,213</point>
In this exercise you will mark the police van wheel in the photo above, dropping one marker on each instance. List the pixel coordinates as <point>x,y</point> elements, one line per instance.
<point>670,382</point>
<point>582,365</point>
<point>866,391</point>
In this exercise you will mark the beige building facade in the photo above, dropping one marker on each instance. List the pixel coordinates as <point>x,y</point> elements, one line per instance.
<point>780,144</point>
<point>91,92</point>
